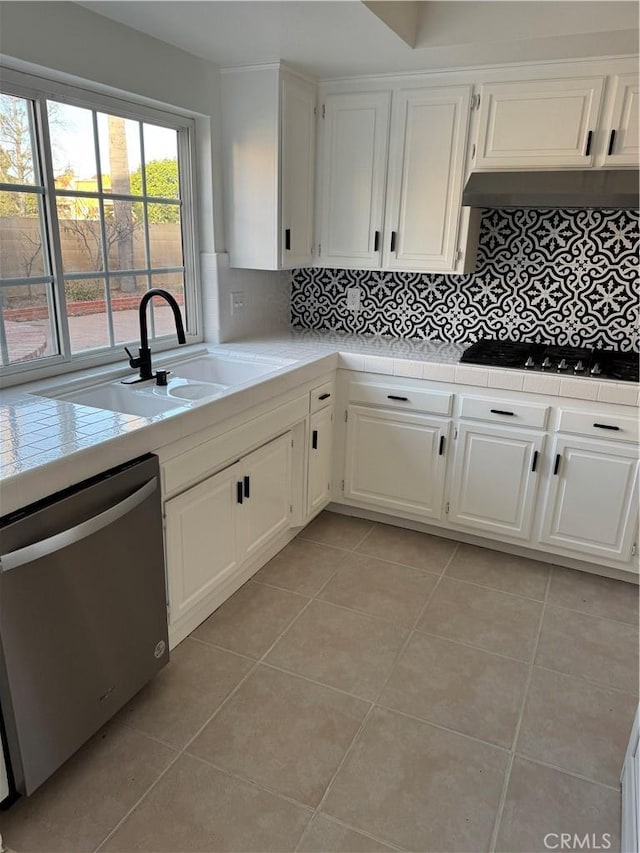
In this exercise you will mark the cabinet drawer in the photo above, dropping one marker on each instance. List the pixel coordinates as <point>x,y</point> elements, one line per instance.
<point>616,427</point>
<point>399,397</point>
<point>321,396</point>
<point>505,412</point>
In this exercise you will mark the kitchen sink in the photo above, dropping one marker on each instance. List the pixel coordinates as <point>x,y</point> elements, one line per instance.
<point>189,382</point>
<point>224,370</point>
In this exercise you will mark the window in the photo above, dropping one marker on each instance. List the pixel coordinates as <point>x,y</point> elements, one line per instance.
<point>95,209</point>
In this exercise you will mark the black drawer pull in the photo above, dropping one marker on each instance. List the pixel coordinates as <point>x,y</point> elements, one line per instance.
<point>376,241</point>
<point>324,396</point>
<point>611,141</point>
<point>314,439</point>
<point>394,397</point>
<point>393,241</point>
<point>587,150</point>
<point>441,448</point>
<point>556,466</point>
<point>239,491</point>
<point>534,462</point>
<point>247,486</point>
<point>607,426</point>
<point>502,412</point>
<point>287,239</point>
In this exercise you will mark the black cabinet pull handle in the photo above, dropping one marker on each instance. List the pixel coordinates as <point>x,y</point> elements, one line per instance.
<point>441,448</point>
<point>556,466</point>
<point>314,439</point>
<point>394,397</point>
<point>287,239</point>
<point>607,426</point>
<point>239,491</point>
<point>611,141</point>
<point>247,487</point>
<point>376,241</point>
<point>324,396</point>
<point>502,412</point>
<point>393,241</point>
<point>534,463</point>
<point>587,150</point>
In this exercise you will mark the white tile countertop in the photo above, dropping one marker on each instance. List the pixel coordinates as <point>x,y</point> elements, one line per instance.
<point>48,444</point>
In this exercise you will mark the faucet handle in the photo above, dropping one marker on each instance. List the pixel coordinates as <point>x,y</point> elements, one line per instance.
<point>133,360</point>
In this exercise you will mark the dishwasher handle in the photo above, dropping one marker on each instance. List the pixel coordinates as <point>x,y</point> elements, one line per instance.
<point>76,534</point>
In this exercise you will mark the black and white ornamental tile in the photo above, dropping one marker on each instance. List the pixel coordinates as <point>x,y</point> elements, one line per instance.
<point>550,276</point>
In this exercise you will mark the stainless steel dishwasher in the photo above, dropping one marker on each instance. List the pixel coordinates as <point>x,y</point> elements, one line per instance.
<point>83,617</point>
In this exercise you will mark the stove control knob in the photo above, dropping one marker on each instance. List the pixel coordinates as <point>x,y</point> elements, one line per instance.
<point>579,368</point>
<point>563,364</point>
<point>595,370</point>
<point>529,362</point>
<point>546,362</point>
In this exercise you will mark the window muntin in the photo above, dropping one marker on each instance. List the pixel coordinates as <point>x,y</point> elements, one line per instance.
<point>112,215</point>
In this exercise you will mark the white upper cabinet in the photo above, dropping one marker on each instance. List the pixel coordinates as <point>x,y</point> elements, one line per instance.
<point>426,170</point>
<point>268,124</point>
<point>535,124</point>
<point>622,146</point>
<point>400,211</point>
<point>355,136</point>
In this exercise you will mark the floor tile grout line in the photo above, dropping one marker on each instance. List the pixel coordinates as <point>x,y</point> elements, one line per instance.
<point>603,685</point>
<point>332,819</point>
<point>495,589</point>
<point>512,753</point>
<point>572,773</point>
<point>468,645</point>
<point>362,726</point>
<point>555,606</point>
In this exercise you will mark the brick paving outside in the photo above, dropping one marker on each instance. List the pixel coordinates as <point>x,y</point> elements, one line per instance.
<point>32,339</point>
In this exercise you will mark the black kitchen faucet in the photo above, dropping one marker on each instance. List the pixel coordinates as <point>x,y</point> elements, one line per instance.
<point>143,360</point>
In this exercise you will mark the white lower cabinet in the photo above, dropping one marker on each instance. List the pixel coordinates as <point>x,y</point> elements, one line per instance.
<point>319,460</point>
<point>201,540</point>
<point>266,503</point>
<point>396,460</point>
<point>212,528</point>
<point>495,479</point>
<point>591,504</point>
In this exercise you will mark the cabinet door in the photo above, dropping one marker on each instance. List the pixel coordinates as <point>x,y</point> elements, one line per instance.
<point>622,143</point>
<point>355,131</point>
<point>592,501</point>
<point>426,170</point>
<point>539,123</point>
<point>396,461</point>
<point>201,540</point>
<point>266,507</point>
<point>297,164</point>
<point>320,456</point>
<point>495,479</point>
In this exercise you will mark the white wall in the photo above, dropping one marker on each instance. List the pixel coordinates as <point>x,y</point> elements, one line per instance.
<point>81,46</point>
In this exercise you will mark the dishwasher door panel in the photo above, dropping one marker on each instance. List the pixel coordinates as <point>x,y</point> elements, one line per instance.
<point>82,620</point>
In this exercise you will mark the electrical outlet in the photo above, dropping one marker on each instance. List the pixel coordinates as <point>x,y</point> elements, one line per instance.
<point>237,301</point>
<point>354,295</point>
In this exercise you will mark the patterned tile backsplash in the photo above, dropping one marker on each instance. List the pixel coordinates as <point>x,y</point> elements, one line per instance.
<point>564,277</point>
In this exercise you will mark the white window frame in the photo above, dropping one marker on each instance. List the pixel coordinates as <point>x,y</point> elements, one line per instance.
<point>38,90</point>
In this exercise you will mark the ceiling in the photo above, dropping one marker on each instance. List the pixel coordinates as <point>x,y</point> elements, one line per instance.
<point>332,39</point>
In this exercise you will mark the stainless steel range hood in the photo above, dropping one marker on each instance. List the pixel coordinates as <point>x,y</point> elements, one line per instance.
<point>614,188</point>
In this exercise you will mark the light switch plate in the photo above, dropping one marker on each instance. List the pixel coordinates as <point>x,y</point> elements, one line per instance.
<point>237,301</point>
<point>354,295</point>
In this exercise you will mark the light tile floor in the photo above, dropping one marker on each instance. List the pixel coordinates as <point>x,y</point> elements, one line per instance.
<point>370,689</point>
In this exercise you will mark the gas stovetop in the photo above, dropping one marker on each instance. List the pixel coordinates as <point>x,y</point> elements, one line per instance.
<point>567,361</point>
